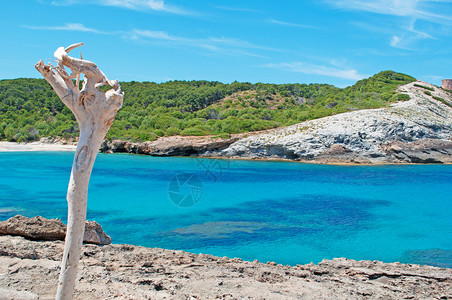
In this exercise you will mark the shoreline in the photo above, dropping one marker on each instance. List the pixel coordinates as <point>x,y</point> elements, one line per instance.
<point>313,162</point>
<point>29,269</point>
<point>35,147</point>
<point>59,147</point>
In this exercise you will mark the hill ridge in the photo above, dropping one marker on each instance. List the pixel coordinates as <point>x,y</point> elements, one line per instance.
<point>30,110</point>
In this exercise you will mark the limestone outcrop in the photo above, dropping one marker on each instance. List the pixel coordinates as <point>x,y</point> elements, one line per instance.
<point>170,146</point>
<point>415,131</point>
<point>40,228</point>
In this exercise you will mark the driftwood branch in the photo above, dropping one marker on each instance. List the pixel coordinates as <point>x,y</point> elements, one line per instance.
<point>94,111</point>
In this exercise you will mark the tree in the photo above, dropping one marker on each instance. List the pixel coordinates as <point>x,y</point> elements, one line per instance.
<point>94,111</point>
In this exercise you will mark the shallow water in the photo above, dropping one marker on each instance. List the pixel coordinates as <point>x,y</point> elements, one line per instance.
<point>290,213</point>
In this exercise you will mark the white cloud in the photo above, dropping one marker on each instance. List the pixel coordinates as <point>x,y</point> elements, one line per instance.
<point>138,5</point>
<point>229,51</point>
<point>290,24</point>
<point>241,9</point>
<point>159,35</point>
<point>420,34</point>
<point>403,8</point>
<point>434,77</point>
<point>395,41</point>
<point>387,7</point>
<point>407,39</point>
<point>60,2</point>
<point>239,43</point>
<point>224,46</point>
<point>67,27</point>
<point>402,30</point>
<point>307,68</point>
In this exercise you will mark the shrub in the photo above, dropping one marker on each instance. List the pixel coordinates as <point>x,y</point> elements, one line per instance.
<point>172,131</point>
<point>424,87</point>
<point>194,122</point>
<point>442,100</point>
<point>204,128</point>
<point>193,131</point>
<point>145,136</point>
<point>400,97</point>
<point>262,125</point>
<point>30,133</point>
<point>10,132</point>
<point>159,132</point>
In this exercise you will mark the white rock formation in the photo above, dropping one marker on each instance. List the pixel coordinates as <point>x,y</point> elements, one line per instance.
<point>361,135</point>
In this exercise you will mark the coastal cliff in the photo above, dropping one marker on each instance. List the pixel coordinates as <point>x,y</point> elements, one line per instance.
<point>415,131</point>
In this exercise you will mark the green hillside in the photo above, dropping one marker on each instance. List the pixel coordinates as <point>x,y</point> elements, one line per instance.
<point>29,109</point>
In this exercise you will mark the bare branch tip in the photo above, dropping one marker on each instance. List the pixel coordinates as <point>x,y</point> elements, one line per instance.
<point>72,47</point>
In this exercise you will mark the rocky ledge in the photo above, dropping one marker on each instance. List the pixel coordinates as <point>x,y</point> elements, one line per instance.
<point>40,228</point>
<point>171,146</point>
<point>29,270</point>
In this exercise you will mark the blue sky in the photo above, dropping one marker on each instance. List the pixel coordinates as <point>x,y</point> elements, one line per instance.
<point>322,41</point>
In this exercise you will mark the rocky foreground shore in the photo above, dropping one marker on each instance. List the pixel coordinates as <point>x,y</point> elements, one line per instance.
<point>414,131</point>
<point>29,270</point>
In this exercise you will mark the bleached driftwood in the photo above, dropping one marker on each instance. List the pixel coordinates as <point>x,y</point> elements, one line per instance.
<point>94,111</point>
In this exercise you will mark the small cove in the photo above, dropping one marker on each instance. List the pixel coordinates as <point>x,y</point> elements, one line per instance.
<point>290,213</point>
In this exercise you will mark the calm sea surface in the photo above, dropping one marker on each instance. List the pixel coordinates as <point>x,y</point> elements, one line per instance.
<point>290,213</point>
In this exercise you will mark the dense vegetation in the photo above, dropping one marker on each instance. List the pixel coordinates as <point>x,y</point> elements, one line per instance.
<point>29,109</point>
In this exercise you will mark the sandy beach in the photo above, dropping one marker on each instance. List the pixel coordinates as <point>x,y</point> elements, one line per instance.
<point>35,146</point>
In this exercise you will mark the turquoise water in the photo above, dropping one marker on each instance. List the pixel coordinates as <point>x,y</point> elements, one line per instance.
<point>290,213</point>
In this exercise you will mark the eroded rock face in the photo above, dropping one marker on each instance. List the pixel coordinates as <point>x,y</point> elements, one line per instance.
<point>420,127</point>
<point>170,146</point>
<point>40,228</point>
<point>420,151</point>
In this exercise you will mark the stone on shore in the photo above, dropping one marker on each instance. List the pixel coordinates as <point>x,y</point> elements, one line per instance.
<point>95,235</point>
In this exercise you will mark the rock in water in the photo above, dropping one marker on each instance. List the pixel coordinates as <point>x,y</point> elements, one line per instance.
<point>40,228</point>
